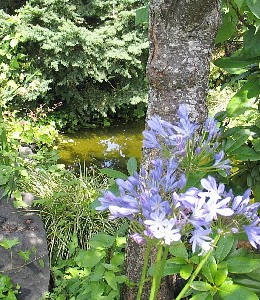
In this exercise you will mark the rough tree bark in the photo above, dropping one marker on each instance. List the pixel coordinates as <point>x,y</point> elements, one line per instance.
<point>181,34</point>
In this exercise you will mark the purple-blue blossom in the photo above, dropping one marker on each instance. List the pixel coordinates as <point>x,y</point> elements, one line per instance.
<point>156,199</point>
<point>201,240</point>
<point>253,232</point>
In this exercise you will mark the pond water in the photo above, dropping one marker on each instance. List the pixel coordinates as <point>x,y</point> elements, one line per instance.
<point>104,147</point>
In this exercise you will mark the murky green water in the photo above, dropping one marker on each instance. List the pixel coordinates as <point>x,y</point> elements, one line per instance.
<point>104,147</point>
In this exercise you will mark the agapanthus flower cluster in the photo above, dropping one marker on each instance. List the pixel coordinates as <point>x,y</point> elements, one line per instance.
<point>161,206</point>
<point>150,199</point>
<point>183,142</point>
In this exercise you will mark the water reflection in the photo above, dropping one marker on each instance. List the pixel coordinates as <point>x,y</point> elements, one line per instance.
<point>104,147</point>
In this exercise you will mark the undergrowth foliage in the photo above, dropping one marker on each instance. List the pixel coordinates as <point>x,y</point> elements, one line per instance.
<point>66,207</point>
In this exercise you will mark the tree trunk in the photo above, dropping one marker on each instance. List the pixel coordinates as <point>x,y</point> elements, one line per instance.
<point>182,34</point>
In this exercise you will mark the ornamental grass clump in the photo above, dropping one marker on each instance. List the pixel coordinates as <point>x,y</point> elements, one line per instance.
<point>179,200</point>
<point>66,207</point>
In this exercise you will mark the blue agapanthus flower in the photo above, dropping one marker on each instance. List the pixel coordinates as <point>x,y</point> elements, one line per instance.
<point>163,208</point>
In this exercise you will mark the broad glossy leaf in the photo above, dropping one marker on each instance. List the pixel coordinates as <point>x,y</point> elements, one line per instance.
<point>236,65</point>
<point>169,269</point>
<point>240,101</point>
<point>225,245</point>
<point>235,142</point>
<point>202,296</point>
<point>118,259</point>
<point>89,258</point>
<point>251,42</point>
<point>186,271</point>
<point>179,250</point>
<point>254,90</point>
<point>193,179</point>
<point>177,260</point>
<point>229,291</point>
<point>256,144</point>
<point>201,286</point>
<point>220,276</point>
<point>228,27</point>
<point>256,191</point>
<point>254,7</point>
<point>209,269</point>
<point>232,131</point>
<point>102,240</point>
<point>242,265</point>
<point>239,3</point>
<point>98,273</point>
<point>254,285</point>
<point>245,153</point>
<point>255,274</point>
<point>111,279</point>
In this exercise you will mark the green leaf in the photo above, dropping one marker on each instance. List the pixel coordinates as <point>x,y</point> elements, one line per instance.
<point>228,27</point>
<point>118,259</point>
<point>186,271</point>
<point>141,15</point>
<point>240,102</point>
<point>246,153</point>
<point>242,265</point>
<point>255,274</point>
<point>97,273</point>
<point>132,166</point>
<point>220,276</point>
<point>179,250</point>
<point>253,285</point>
<point>177,260</point>
<point>9,243</point>
<point>232,131</point>
<point>236,141</point>
<point>239,3</point>
<point>229,291</point>
<point>169,269</point>
<point>200,286</point>
<point>113,173</point>
<point>236,65</point>
<point>254,90</point>
<point>256,144</point>
<point>251,42</point>
<point>209,269</point>
<point>193,179</point>
<point>225,245</point>
<point>102,241</point>
<point>41,262</point>
<point>111,279</point>
<point>202,296</point>
<point>111,267</point>
<point>89,258</point>
<point>256,191</point>
<point>254,7</point>
<point>25,255</point>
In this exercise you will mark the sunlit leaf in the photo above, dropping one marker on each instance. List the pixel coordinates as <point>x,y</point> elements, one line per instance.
<point>229,291</point>
<point>254,7</point>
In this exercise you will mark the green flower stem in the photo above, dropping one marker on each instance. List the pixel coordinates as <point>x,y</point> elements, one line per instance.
<point>157,274</point>
<point>145,267</point>
<point>196,272</point>
<point>161,269</point>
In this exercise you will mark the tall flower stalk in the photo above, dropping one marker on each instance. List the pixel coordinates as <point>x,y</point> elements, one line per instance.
<point>178,199</point>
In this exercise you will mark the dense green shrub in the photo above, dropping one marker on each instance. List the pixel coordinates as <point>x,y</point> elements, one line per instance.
<point>91,55</point>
